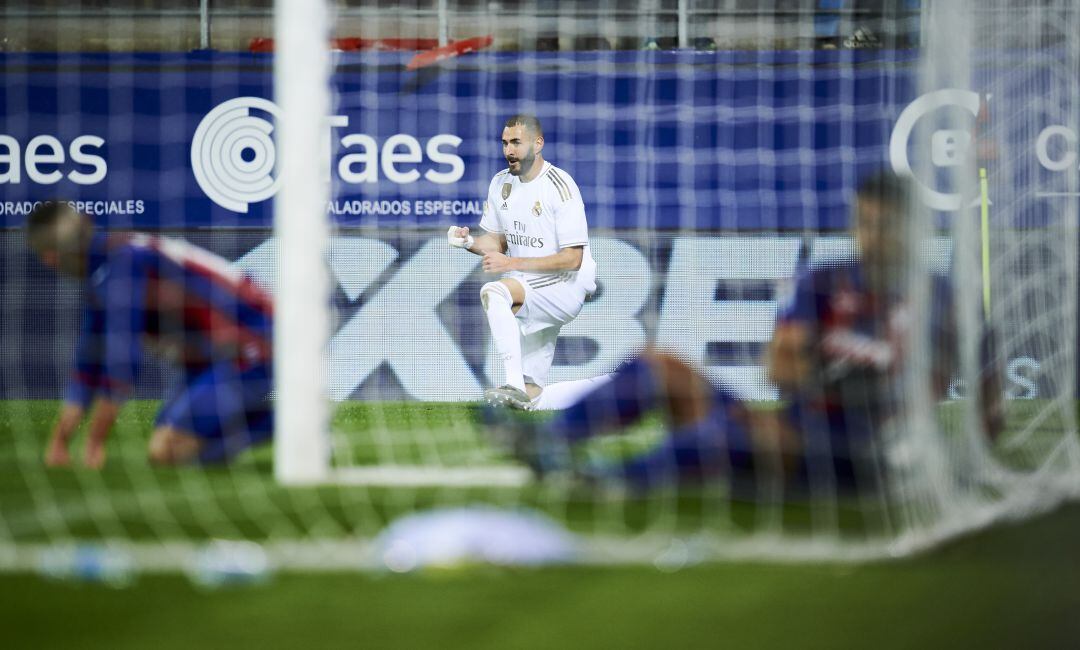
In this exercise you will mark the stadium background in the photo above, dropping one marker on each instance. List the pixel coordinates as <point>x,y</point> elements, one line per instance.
<point>671,150</point>
<point>1004,588</point>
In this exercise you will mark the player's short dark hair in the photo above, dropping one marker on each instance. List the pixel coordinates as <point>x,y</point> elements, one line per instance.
<point>888,188</point>
<point>41,220</point>
<point>526,120</point>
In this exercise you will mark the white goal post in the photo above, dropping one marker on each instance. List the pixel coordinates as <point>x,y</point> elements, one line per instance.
<point>302,317</point>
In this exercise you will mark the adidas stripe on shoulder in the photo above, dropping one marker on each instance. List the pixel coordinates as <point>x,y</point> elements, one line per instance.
<point>560,184</point>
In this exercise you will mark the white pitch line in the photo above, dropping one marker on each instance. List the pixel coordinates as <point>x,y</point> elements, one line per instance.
<point>427,476</point>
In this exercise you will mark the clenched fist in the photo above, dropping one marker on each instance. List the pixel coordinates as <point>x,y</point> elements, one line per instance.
<point>459,237</point>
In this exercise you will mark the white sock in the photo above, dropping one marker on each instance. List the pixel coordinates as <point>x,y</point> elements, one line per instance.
<point>504,331</point>
<point>563,394</point>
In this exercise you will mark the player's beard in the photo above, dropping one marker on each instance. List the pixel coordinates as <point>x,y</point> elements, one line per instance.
<point>525,164</point>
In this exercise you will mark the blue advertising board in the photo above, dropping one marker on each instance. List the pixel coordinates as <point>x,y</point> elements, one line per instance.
<point>711,141</point>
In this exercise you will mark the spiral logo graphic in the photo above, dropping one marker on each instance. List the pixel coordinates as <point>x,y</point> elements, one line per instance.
<point>233,154</point>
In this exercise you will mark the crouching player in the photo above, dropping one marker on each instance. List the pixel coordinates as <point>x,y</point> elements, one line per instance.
<point>189,306</point>
<point>836,355</point>
<point>537,237</point>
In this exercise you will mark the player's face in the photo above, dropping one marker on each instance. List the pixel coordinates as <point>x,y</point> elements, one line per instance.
<point>69,263</point>
<point>72,264</point>
<point>65,251</point>
<point>520,148</point>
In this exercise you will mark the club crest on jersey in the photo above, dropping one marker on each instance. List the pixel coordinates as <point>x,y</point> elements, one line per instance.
<point>506,190</point>
<point>537,209</point>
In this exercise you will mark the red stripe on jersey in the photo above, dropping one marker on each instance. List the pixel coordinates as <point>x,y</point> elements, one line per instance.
<point>213,268</point>
<point>226,334</point>
<point>194,315</point>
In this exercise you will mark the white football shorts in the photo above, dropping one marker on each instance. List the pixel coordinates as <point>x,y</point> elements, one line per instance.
<point>545,310</point>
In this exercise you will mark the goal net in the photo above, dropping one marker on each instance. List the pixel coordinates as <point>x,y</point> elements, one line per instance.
<point>717,151</point>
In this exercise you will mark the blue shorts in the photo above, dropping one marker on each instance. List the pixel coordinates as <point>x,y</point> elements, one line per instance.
<point>718,445</point>
<point>222,401</point>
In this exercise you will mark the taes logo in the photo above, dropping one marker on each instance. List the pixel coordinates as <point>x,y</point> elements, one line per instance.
<point>233,155</point>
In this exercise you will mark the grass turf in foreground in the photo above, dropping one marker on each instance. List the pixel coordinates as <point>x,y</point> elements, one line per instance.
<point>1011,587</point>
<point>131,500</point>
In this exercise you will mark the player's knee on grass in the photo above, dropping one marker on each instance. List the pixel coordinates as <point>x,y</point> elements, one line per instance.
<point>170,446</point>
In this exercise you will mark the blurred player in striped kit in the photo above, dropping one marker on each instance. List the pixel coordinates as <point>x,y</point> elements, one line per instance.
<point>190,307</point>
<point>535,234</point>
<point>837,354</point>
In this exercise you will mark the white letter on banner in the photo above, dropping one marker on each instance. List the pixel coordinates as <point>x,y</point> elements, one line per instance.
<point>439,157</point>
<point>53,155</point>
<point>391,156</point>
<point>368,157</point>
<point>611,319</point>
<point>261,264</point>
<point>356,263</point>
<point>691,317</point>
<point>10,155</point>
<point>399,325</point>
<point>1042,148</point>
<point>81,156</point>
<point>332,122</point>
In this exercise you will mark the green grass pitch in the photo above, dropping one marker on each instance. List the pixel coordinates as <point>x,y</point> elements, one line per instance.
<point>1012,586</point>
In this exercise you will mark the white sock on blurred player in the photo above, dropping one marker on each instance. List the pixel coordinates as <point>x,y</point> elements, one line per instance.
<point>564,393</point>
<point>497,302</point>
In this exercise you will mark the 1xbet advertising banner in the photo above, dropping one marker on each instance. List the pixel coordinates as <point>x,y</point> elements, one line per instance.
<point>408,323</point>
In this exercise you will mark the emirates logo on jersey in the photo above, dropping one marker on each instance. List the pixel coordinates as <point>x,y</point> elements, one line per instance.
<point>519,239</point>
<point>537,209</point>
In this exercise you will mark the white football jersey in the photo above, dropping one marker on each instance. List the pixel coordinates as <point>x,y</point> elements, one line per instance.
<point>540,218</point>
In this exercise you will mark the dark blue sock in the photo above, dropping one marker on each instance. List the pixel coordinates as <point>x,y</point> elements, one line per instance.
<point>631,393</point>
<point>216,451</point>
<point>718,446</point>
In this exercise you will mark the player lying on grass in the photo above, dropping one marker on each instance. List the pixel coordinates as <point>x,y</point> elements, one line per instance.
<point>209,320</point>
<point>836,355</point>
<point>537,237</point>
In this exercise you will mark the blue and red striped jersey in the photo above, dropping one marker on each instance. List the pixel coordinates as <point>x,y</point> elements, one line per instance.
<point>861,336</point>
<point>186,304</point>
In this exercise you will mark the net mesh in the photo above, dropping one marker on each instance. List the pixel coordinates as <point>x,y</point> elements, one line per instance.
<point>717,148</point>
